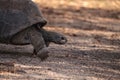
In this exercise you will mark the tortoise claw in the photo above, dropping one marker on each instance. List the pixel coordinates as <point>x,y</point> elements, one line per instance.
<point>42,54</point>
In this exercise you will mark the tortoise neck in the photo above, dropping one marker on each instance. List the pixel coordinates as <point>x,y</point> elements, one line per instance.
<point>46,34</point>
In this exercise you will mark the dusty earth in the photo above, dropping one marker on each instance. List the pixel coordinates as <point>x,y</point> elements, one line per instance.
<point>92,51</point>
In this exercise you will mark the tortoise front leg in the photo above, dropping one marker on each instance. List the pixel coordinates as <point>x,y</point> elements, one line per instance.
<point>32,36</point>
<point>38,43</point>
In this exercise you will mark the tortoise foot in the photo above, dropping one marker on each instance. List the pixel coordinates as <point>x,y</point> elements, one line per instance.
<point>43,54</point>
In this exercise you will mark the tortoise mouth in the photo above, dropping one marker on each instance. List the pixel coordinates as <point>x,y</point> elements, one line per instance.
<point>62,41</point>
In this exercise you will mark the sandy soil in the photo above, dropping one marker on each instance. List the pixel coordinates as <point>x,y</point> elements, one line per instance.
<point>92,51</point>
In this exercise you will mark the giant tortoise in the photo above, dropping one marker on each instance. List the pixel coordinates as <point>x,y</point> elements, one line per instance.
<point>21,23</point>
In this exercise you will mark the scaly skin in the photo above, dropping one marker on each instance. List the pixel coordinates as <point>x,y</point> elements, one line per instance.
<point>54,37</point>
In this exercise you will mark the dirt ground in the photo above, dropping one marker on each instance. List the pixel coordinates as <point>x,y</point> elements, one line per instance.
<point>92,51</point>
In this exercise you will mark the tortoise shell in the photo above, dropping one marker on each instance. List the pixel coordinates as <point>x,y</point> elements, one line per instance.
<point>16,15</point>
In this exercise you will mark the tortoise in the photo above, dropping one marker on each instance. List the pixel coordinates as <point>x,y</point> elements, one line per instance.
<point>21,23</point>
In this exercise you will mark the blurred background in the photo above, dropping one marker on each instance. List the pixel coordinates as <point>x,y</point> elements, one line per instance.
<point>103,4</point>
<point>79,9</point>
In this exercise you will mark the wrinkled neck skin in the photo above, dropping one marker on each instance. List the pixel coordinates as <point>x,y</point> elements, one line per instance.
<point>47,35</point>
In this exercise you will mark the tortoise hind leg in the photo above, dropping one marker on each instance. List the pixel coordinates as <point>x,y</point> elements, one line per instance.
<point>38,43</point>
<point>20,38</point>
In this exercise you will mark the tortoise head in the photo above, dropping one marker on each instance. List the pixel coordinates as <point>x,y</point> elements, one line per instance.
<point>56,38</point>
